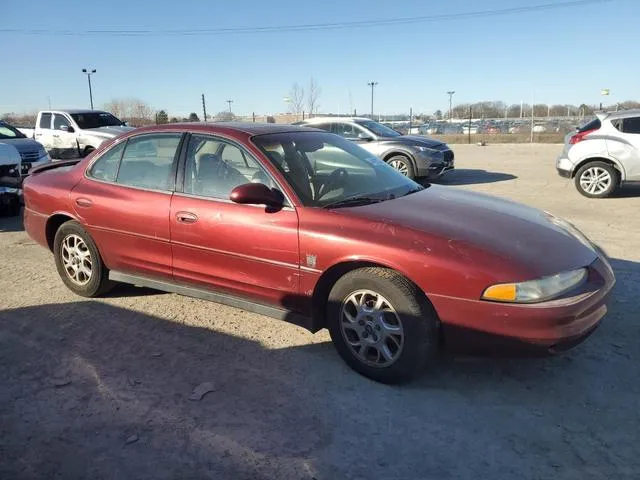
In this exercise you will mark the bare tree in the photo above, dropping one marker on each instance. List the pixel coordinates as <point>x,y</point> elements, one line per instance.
<point>296,99</point>
<point>133,110</point>
<point>312,97</point>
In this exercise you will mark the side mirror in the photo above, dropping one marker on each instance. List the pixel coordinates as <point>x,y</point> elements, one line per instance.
<point>257,194</point>
<point>125,124</point>
<point>67,128</point>
<point>365,137</point>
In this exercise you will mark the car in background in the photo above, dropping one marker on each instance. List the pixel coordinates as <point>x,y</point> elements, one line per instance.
<point>412,156</point>
<point>32,153</point>
<point>10,179</point>
<point>306,226</point>
<point>68,134</point>
<point>603,154</point>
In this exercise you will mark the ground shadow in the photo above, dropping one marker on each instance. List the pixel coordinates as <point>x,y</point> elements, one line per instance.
<point>11,224</point>
<point>629,190</point>
<point>468,176</point>
<point>91,390</point>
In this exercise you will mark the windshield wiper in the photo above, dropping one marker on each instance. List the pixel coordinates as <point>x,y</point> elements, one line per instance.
<point>353,202</point>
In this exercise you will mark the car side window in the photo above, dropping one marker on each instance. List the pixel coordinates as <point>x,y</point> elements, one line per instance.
<point>148,161</point>
<point>631,125</point>
<point>45,121</point>
<point>60,121</point>
<point>321,126</point>
<point>106,167</point>
<point>214,168</point>
<point>345,130</point>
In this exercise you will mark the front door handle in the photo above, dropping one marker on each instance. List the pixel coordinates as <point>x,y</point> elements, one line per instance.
<point>55,135</point>
<point>83,202</point>
<point>186,217</point>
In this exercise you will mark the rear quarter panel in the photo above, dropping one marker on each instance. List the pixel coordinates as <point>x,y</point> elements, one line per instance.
<point>626,155</point>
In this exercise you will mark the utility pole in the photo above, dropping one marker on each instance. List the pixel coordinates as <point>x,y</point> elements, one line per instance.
<point>450,93</point>
<point>229,102</point>
<point>204,108</point>
<point>533,105</point>
<point>410,118</point>
<point>372,85</point>
<point>89,73</point>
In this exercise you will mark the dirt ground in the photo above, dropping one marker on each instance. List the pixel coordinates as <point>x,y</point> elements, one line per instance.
<point>104,389</point>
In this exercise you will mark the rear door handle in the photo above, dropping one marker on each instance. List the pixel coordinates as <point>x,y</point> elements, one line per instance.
<point>186,217</point>
<point>83,202</point>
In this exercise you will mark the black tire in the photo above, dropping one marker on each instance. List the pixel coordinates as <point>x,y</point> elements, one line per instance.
<point>98,283</point>
<point>403,165</point>
<point>589,167</point>
<point>419,321</point>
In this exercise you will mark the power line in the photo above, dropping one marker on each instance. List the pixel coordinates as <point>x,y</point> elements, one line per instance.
<point>306,27</point>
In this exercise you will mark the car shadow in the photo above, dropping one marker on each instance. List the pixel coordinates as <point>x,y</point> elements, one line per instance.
<point>470,176</point>
<point>11,224</point>
<point>629,190</point>
<point>92,390</point>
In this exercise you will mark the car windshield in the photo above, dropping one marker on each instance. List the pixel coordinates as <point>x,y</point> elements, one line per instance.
<point>378,129</point>
<point>7,131</point>
<point>90,120</point>
<point>326,170</point>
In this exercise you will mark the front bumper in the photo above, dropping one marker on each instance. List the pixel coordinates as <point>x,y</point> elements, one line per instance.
<point>434,164</point>
<point>551,326</point>
<point>564,166</point>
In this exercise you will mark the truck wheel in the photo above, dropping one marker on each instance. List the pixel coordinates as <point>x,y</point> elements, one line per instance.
<point>78,261</point>
<point>402,164</point>
<point>597,180</point>
<point>381,324</point>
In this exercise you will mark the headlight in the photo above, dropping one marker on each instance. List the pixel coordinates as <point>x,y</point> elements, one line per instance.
<point>534,291</point>
<point>424,149</point>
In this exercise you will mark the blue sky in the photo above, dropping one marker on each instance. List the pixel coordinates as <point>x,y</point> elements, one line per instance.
<point>564,55</point>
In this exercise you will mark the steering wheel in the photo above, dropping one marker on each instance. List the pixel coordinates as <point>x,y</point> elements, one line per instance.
<point>337,178</point>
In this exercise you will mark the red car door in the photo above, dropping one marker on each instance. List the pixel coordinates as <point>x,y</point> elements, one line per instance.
<point>124,201</point>
<point>241,249</point>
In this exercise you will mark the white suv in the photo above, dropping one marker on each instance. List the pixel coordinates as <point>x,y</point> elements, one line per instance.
<point>603,153</point>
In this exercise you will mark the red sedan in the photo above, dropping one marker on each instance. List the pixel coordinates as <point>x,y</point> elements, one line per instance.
<point>308,227</point>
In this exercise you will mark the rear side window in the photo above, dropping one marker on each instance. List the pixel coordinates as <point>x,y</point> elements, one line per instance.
<point>45,120</point>
<point>631,125</point>
<point>592,125</point>
<point>106,167</point>
<point>148,160</point>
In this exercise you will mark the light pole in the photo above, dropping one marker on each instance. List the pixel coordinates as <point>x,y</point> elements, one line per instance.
<point>89,73</point>
<point>230,102</point>
<point>372,85</point>
<point>450,93</point>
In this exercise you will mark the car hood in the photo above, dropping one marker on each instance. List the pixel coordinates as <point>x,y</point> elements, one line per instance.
<point>107,132</point>
<point>536,241</point>
<point>414,140</point>
<point>23,145</point>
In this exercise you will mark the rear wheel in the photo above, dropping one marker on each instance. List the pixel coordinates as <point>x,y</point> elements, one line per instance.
<point>78,261</point>
<point>381,324</point>
<point>597,180</point>
<point>402,164</point>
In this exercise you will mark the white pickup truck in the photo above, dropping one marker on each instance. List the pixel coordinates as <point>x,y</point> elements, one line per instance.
<point>75,133</point>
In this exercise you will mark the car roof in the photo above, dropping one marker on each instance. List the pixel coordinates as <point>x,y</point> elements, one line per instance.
<point>635,112</point>
<point>248,128</point>
<point>74,110</point>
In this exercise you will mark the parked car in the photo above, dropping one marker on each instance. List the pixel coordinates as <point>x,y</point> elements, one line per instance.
<point>413,156</point>
<point>69,134</point>
<point>603,153</point>
<point>32,153</point>
<point>10,179</point>
<point>306,226</point>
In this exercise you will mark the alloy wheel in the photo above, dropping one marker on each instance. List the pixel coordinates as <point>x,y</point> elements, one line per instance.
<point>372,328</point>
<point>400,166</point>
<point>595,180</point>
<point>76,259</point>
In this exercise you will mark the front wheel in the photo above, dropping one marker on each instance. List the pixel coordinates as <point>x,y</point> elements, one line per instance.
<point>78,261</point>
<point>381,324</point>
<point>403,165</point>
<point>597,180</point>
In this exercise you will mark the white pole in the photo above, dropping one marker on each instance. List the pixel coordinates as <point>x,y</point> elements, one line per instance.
<point>533,104</point>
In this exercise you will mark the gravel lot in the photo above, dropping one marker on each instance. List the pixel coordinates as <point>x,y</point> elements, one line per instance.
<point>101,388</point>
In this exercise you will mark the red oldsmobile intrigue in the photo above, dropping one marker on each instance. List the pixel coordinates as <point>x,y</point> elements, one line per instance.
<point>305,226</point>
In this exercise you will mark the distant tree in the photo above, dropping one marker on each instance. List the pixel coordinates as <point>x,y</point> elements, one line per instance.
<point>162,117</point>
<point>438,114</point>
<point>193,117</point>
<point>312,97</point>
<point>174,120</point>
<point>133,110</point>
<point>224,116</point>
<point>271,119</point>
<point>296,100</point>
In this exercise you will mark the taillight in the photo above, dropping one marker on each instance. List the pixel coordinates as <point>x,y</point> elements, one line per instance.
<point>578,137</point>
